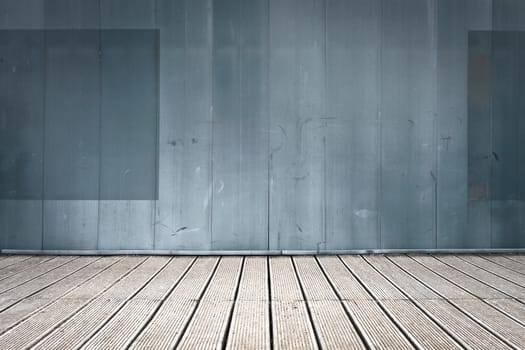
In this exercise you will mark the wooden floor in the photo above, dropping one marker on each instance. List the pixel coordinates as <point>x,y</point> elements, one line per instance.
<point>327,302</point>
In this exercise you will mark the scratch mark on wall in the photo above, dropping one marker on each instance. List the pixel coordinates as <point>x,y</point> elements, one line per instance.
<point>221,186</point>
<point>206,201</point>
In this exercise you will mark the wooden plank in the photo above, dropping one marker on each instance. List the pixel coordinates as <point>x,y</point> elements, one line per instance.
<point>376,327</point>
<point>287,315</point>
<point>27,307</point>
<point>373,324</point>
<point>289,308</point>
<point>250,324</point>
<point>471,334</point>
<point>378,286</point>
<point>333,326</point>
<point>21,265</point>
<point>208,326</point>
<point>440,285</point>
<point>408,284</point>
<point>511,307</point>
<point>518,258</point>
<point>41,283</point>
<point>284,283</point>
<point>10,260</point>
<point>37,271</point>
<point>504,261</point>
<point>168,325</point>
<point>459,278</point>
<point>484,276</point>
<point>508,329</point>
<point>496,269</point>
<point>118,332</point>
<point>346,285</point>
<point>80,327</point>
<point>421,329</point>
<point>129,321</point>
<point>47,319</point>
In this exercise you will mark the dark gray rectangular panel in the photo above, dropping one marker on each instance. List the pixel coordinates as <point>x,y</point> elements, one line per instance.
<point>182,218</point>
<point>508,145</point>
<point>72,111</point>
<point>21,138</point>
<point>21,114</point>
<point>508,214</point>
<point>21,131</point>
<point>351,123</point>
<point>240,121</point>
<point>479,139</point>
<point>506,119</point>
<point>408,154</point>
<point>297,109</point>
<point>129,114</point>
<point>451,126</point>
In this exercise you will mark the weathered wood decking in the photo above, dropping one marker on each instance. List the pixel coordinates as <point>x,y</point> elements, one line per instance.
<point>328,302</point>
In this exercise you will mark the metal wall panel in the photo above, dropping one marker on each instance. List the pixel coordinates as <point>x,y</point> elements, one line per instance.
<point>479,140</point>
<point>21,138</point>
<point>351,126</point>
<point>127,224</point>
<point>72,145</point>
<point>128,159</point>
<point>408,117</point>
<point>297,106</point>
<point>240,125</point>
<point>261,124</point>
<point>185,190</point>
<point>507,146</point>
<point>451,124</point>
<point>508,209</point>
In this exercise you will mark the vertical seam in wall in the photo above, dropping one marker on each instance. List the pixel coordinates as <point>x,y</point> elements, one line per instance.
<point>435,49</point>
<point>379,81</point>
<point>212,175</point>
<point>185,106</point>
<point>44,106</point>
<point>239,56</point>
<point>325,110</point>
<point>157,123</point>
<point>269,159</point>
<point>99,119</point>
<point>491,155</point>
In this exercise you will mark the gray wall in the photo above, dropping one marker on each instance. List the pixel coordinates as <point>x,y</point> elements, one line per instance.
<point>262,124</point>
